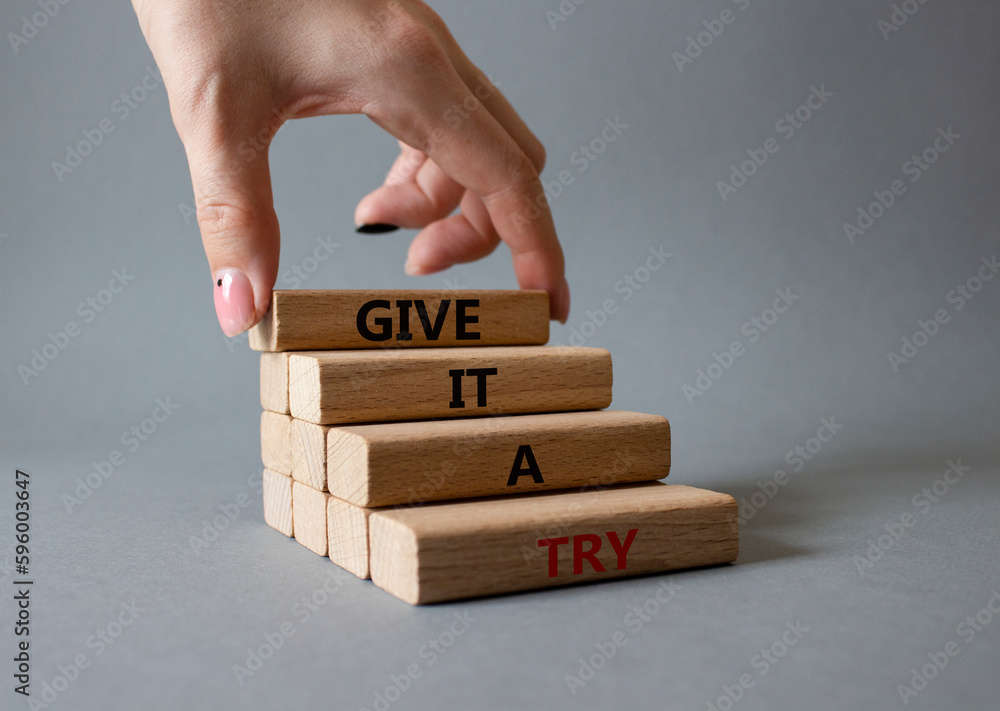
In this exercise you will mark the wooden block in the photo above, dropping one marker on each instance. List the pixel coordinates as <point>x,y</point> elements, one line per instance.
<point>310,319</point>
<point>336,387</point>
<point>278,501</point>
<point>274,382</point>
<point>275,443</point>
<point>309,510</point>
<point>347,526</point>
<point>308,452</point>
<point>408,462</point>
<point>498,545</point>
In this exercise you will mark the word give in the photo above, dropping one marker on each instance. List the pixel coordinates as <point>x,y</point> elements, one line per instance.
<point>432,331</point>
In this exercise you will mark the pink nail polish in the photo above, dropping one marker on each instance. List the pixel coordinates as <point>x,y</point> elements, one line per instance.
<point>234,303</point>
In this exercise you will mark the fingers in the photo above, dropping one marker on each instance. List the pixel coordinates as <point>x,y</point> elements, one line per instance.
<point>461,238</point>
<point>239,229</point>
<point>427,195</point>
<point>469,144</point>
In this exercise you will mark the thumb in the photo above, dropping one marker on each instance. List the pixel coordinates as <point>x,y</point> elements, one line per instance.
<point>239,228</point>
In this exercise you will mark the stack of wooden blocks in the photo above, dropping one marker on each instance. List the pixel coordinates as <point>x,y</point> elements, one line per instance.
<point>430,441</point>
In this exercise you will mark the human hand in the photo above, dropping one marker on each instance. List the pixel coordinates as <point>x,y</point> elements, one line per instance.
<point>235,71</point>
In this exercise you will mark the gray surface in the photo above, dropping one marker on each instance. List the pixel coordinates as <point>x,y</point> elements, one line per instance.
<point>827,356</point>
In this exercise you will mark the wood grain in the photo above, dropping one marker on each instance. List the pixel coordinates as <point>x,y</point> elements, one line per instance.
<point>308,453</point>
<point>467,549</point>
<point>278,501</point>
<point>337,387</point>
<point>309,511</point>
<point>275,443</point>
<point>310,319</point>
<point>274,382</point>
<point>408,462</point>
<point>347,527</point>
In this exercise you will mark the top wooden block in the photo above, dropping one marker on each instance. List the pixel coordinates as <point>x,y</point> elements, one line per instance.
<point>310,319</point>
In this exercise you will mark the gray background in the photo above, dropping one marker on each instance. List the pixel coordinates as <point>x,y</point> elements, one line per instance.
<point>201,608</point>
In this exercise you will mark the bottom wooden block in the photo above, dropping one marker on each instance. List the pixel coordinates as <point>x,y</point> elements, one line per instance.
<point>278,501</point>
<point>347,526</point>
<point>309,509</point>
<point>497,545</point>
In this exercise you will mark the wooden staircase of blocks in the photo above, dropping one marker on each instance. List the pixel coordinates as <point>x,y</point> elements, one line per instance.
<point>430,441</point>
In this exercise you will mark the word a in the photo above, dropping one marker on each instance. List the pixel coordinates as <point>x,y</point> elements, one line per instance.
<point>590,555</point>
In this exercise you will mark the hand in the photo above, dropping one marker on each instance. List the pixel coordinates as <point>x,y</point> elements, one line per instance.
<point>235,71</point>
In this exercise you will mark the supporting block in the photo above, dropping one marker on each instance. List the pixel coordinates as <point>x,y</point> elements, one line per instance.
<point>275,442</point>
<point>347,526</point>
<point>274,382</point>
<point>278,501</point>
<point>308,453</point>
<point>337,387</point>
<point>409,462</point>
<point>310,319</point>
<point>498,545</point>
<point>309,507</point>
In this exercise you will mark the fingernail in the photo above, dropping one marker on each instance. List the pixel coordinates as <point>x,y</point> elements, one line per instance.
<point>413,269</point>
<point>234,303</point>
<point>376,228</point>
<point>560,305</point>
